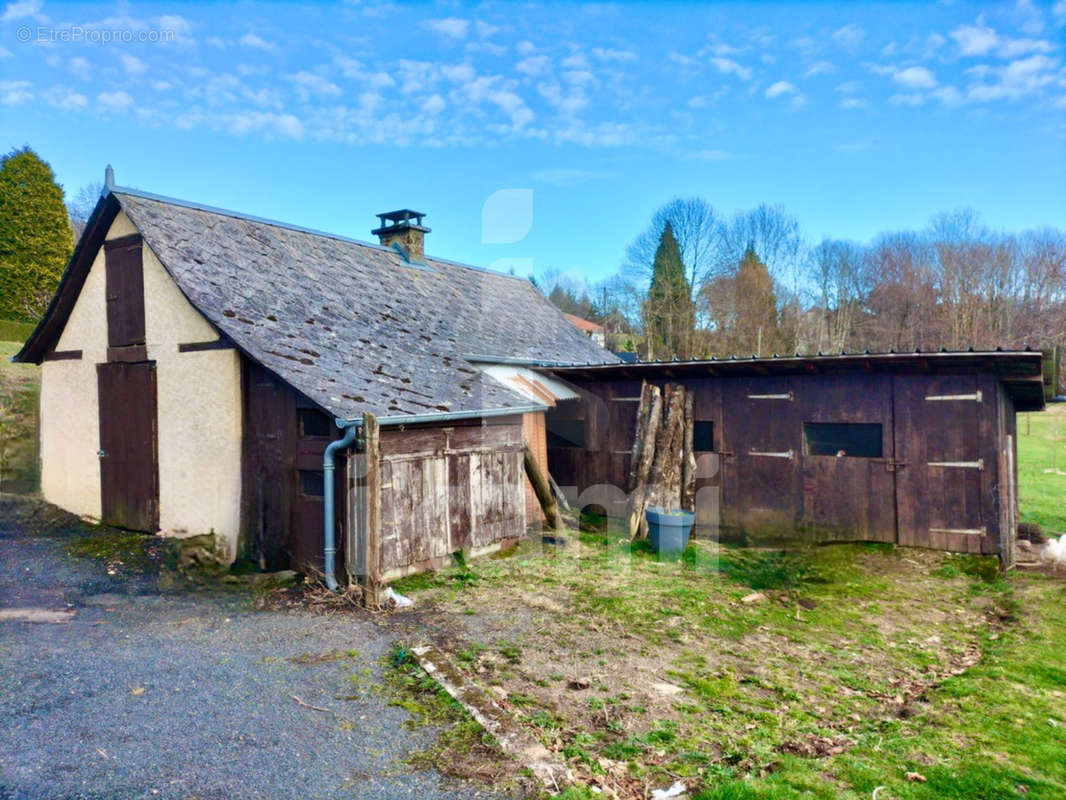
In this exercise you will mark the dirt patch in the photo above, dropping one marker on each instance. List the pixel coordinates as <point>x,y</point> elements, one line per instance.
<point>640,673</point>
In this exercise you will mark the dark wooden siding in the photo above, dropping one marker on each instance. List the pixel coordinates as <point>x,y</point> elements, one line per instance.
<point>769,486</point>
<point>281,526</point>
<point>124,291</point>
<point>445,489</point>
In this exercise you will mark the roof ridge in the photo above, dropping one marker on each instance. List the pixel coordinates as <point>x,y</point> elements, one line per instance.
<point>160,198</point>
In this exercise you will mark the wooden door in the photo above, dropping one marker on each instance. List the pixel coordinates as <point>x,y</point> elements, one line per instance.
<point>761,446</point>
<point>129,465</point>
<point>849,491</point>
<point>942,464</point>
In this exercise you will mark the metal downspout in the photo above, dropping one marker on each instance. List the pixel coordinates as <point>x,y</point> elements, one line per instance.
<point>350,428</point>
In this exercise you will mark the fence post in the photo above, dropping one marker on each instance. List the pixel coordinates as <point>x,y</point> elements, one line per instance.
<point>372,509</point>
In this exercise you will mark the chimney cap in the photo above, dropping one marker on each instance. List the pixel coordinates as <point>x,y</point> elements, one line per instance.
<point>404,218</point>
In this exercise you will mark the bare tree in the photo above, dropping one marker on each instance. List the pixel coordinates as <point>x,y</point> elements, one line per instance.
<point>697,228</point>
<point>80,206</point>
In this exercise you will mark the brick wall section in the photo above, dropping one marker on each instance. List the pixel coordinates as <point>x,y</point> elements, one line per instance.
<point>534,433</point>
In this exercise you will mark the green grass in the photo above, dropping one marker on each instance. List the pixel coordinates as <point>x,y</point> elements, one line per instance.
<point>13,331</point>
<point>916,661</point>
<point>1042,450</point>
<point>20,387</point>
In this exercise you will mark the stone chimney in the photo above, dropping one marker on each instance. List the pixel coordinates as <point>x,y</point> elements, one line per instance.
<point>404,228</point>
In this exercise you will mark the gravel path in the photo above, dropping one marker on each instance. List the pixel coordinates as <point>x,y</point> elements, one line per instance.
<point>186,694</point>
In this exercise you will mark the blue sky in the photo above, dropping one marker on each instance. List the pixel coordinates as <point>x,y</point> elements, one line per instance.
<point>857,118</point>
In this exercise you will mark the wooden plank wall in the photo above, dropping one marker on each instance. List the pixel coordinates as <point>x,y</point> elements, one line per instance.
<point>280,527</point>
<point>445,489</point>
<point>823,497</point>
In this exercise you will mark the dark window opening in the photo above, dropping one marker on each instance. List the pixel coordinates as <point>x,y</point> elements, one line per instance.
<point>858,439</point>
<point>314,423</point>
<point>312,483</point>
<point>566,432</point>
<point>703,436</point>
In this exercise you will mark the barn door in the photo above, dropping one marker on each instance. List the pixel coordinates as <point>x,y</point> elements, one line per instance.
<point>941,468</point>
<point>129,471</point>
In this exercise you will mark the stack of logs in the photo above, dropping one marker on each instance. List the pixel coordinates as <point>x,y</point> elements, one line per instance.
<point>663,468</point>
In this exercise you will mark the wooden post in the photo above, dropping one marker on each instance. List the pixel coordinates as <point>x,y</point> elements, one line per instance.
<point>643,415</point>
<point>372,496</point>
<point>541,488</point>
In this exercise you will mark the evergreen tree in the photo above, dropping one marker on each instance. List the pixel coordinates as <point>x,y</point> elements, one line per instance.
<point>669,313</point>
<point>35,236</point>
<point>756,317</point>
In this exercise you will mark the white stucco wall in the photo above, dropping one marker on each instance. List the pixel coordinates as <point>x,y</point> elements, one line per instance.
<point>199,409</point>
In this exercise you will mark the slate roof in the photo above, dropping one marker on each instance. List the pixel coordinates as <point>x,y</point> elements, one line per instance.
<point>354,326</point>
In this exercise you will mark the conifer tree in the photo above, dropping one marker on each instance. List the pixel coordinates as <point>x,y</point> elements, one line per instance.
<point>669,313</point>
<point>35,236</point>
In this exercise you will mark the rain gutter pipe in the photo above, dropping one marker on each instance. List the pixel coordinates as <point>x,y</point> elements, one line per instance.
<point>351,430</point>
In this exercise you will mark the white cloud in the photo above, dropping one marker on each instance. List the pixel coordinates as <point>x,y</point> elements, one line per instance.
<point>848,87</point>
<point>4,52</point>
<point>728,66</point>
<point>21,10</point>
<point>608,54</point>
<point>525,47</point>
<point>849,37</point>
<point>485,29</point>
<point>949,96</point>
<point>821,68</point>
<point>780,88</point>
<point>910,99</point>
<point>133,65</point>
<point>433,104</point>
<point>1059,12</point>
<point>308,83</point>
<point>915,78</point>
<point>568,176</point>
<point>451,27</point>
<point>259,43</point>
<point>458,73</point>
<point>852,103</point>
<point>1012,48</point>
<point>80,67</point>
<point>244,122</point>
<point>114,101</point>
<point>63,98</point>
<point>12,93</point>
<point>1030,19</point>
<point>534,65</point>
<point>975,40</point>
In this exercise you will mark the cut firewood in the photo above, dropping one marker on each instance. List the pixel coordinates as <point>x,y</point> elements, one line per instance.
<point>688,457</point>
<point>638,526</point>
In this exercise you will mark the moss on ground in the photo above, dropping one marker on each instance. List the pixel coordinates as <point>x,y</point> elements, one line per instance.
<point>852,666</point>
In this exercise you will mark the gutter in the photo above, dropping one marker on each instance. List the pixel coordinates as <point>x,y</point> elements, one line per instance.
<point>445,416</point>
<point>351,429</point>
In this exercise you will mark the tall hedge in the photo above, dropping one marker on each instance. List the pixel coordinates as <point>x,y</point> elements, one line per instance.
<point>35,236</point>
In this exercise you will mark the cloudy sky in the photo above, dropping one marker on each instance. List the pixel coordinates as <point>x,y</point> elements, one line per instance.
<point>856,119</point>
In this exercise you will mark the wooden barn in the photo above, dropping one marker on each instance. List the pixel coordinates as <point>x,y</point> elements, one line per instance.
<point>197,363</point>
<point>917,449</point>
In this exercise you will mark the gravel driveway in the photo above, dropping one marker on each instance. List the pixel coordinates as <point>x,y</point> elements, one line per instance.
<point>186,694</point>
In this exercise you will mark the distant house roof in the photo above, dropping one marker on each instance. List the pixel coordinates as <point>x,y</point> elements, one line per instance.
<point>583,324</point>
<point>353,326</point>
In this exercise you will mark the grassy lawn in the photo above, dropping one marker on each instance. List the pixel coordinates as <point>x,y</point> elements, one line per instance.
<point>1042,468</point>
<point>855,666</point>
<point>19,391</point>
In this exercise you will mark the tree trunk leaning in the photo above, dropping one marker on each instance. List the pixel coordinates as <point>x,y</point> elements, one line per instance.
<point>665,478</point>
<point>643,414</point>
<point>688,457</point>
<point>542,489</point>
<point>643,455</point>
